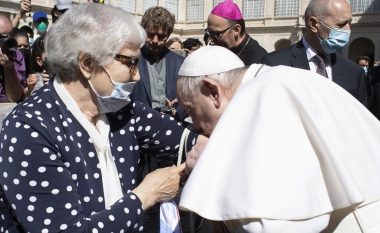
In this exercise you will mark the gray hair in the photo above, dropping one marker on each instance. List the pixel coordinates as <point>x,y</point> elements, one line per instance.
<point>94,29</point>
<point>188,87</point>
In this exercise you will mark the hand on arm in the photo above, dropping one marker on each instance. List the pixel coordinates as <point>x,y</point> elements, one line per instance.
<point>159,185</point>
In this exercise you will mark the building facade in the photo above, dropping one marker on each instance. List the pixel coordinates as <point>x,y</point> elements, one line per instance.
<point>273,23</point>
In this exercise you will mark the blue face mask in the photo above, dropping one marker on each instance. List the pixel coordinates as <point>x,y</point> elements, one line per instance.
<point>336,40</point>
<point>119,97</point>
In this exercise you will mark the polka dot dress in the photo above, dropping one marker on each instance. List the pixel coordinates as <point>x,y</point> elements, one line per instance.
<point>49,171</point>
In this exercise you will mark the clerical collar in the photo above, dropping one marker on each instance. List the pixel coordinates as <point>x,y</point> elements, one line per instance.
<point>239,49</point>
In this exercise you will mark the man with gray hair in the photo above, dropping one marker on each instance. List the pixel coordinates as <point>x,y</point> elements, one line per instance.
<point>281,154</point>
<point>327,32</point>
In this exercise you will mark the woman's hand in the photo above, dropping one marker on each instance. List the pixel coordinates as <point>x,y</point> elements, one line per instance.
<point>159,185</point>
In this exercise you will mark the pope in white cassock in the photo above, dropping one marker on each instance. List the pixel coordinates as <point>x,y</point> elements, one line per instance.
<point>289,151</point>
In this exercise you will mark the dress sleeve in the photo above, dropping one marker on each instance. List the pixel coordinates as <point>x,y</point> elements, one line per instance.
<point>159,133</point>
<point>42,192</point>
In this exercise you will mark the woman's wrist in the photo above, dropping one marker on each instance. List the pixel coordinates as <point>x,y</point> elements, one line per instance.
<point>147,198</point>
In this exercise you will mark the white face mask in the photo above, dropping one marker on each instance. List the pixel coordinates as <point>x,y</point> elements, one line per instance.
<point>119,97</point>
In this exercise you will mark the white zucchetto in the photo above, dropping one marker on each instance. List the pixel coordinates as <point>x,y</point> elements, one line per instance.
<point>210,60</point>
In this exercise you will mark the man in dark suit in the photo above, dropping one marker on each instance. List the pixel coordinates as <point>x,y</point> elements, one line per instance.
<point>374,74</point>
<point>327,31</point>
<point>158,66</point>
<point>226,28</point>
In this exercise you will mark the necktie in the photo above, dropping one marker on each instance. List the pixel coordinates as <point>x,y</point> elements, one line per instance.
<point>321,66</point>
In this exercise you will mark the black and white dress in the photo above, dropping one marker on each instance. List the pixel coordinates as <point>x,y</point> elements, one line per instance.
<point>50,174</point>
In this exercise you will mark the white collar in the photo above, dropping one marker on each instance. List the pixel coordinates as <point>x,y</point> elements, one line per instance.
<point>99,135</point>
<point>310,52</point>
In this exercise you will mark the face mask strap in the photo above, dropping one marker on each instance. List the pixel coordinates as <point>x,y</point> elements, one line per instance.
<point>109,76</point>
<point>330,28</point>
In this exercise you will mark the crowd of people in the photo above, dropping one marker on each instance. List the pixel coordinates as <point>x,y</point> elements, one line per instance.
<point>103,104</point>
<point>22,53</point>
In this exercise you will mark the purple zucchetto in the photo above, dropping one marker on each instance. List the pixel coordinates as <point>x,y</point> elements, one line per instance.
<point>228,10</point>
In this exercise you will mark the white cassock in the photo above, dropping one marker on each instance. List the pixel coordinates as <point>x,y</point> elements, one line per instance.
<point>291,148</point>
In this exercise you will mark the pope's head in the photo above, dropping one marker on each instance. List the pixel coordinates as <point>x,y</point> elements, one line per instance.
<point>208,78</point>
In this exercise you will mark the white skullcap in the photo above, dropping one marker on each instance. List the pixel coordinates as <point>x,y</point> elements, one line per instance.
<point>210,60</point>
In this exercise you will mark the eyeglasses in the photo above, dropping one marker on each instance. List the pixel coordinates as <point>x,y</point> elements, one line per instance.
<point>130,62</point>
<point>160,36</point>
<point>217,34</point>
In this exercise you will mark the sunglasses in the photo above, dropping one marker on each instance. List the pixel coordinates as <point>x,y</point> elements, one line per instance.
<point>151,35</point>
<point>130,62</point>
<point>217,34</point>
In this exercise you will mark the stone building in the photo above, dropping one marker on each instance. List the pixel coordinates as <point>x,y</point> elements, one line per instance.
<point>273,23</point>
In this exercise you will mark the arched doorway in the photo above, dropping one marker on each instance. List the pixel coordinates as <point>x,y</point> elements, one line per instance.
<point>281,44</point>
<point>361,46</point>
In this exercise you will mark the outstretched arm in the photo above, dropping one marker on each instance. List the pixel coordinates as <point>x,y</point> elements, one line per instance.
<point>25,6</point>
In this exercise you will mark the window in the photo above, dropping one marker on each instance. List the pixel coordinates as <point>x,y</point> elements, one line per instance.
<point>286,8</point>
<point>194,10</point>
<point>148,4</point>
<point>172,6</point>
<point>129,5</point>
<point>361,6</point>
<point>216,2</point>
<point>253,9</point>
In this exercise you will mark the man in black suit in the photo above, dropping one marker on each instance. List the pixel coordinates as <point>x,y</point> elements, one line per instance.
<point>374,74</point>
<point>226,28</point>
<point>327,31</point>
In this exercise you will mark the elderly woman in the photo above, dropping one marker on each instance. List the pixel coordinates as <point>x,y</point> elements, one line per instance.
<point>69,153</point>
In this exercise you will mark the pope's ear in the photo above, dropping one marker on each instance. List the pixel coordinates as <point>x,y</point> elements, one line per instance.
<point>213,90</point>
<point>86,64</point>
